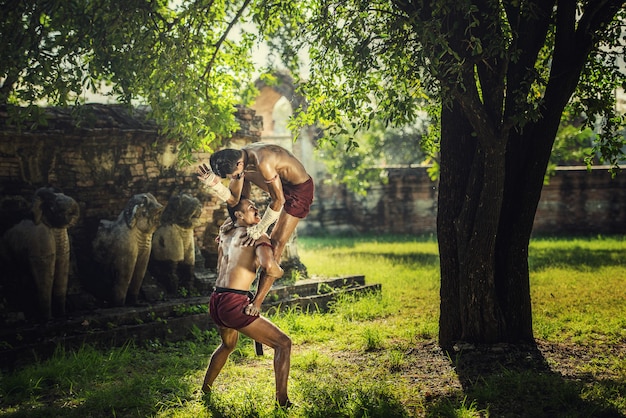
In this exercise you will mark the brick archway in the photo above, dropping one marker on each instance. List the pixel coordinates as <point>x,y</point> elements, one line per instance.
<point>280,92</point>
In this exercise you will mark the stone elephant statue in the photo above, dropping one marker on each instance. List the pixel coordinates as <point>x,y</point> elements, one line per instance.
<point>36,256</point>
<point>173,245</point>
<point>122,247</point>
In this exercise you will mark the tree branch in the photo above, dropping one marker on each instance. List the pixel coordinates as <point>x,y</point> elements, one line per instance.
<point>475,111</point>
<point>573,45</point>
<point>529,37</point>
<point>597,15</point>
<point>219,43</point>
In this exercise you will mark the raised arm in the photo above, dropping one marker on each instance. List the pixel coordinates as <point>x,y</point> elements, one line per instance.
<point>275,189</point>
<point>271,271</point>
<point>206,175</point>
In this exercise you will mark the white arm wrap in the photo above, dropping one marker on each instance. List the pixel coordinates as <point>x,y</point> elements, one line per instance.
<point>269,217</point>
<point>214,182</point>
<point>222,191</point>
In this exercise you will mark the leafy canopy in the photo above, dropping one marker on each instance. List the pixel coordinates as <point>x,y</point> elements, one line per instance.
<point>369,62</point>
<point>384,60</point>
<point>183,59</point>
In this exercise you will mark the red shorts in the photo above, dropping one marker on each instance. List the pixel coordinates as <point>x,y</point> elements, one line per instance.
<point>226,308</point>
<point>298,198</point>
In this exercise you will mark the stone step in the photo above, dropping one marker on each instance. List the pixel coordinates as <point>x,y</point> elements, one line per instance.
<point>171,320</point>
<point>318,303</point>
<point>312,286</point>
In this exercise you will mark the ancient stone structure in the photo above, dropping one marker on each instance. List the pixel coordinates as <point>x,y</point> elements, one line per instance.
<point>575,202</point>
<point>121,249</point>
<point>102,155</point>
<point>35,256</point>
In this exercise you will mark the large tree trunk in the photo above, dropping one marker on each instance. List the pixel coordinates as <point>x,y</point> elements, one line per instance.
<point>491,179</point>
<point>471,196</point>
<point>454,171</point>
<point>487,204</point>
<point>471,190</point>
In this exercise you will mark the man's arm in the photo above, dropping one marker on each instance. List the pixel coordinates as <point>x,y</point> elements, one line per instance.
<point>275,189</point>
<point>274,186</point>
<point>236,187</point>
<point>270,272</point>
<point>215,183</point>
<point>246,190</point>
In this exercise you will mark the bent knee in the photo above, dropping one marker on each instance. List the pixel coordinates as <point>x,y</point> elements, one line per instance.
<point>229,346</point>
<point>284,342</point>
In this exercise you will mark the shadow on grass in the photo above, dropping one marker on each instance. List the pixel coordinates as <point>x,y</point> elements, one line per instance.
<point>575,257</point>
<point>516,381</point>
<point>421,259</point>
<point>124,399</point>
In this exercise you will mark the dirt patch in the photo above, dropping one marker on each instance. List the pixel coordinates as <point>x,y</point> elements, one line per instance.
<point>546,367</point>
<point>530,380</point>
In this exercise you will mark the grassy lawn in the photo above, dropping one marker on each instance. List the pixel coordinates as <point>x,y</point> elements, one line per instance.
<point>375,356</point>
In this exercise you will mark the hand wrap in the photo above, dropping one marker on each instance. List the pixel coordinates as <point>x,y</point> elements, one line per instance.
<point>214,182</point>
<point>269,217</point>
<point>222,191</point>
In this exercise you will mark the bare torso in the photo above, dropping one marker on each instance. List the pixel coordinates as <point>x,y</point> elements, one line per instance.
<point>266,161</point>
<point>236,264</point>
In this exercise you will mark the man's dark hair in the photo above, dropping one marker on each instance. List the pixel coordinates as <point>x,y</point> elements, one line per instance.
<point>224,162</point>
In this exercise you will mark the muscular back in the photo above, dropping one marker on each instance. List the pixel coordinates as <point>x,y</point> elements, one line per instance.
<point>272,160</point>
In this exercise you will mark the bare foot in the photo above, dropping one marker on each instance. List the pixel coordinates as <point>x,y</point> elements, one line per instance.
<point>206,397</point>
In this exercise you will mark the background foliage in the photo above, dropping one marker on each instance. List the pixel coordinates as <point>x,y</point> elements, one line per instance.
<point>360,65</point>
<point>186,60</point>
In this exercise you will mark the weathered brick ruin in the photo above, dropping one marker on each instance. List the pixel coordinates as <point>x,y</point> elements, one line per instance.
<point>581,202</point>
<point>103,155</point>
<point>575,202</point>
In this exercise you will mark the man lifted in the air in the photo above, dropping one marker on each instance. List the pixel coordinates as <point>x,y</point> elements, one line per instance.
<point>273,169</point>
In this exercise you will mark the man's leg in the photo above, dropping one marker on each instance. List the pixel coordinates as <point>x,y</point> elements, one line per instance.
<point>285,225</point>
<point>263,331</point>
<point>219,356</point>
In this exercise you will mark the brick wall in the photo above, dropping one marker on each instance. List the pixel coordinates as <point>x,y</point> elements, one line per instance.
<point>104,155</point>
<point>576,201</point>
<point>581,202</point>
<point>101,157</point>
<point>406,204</point>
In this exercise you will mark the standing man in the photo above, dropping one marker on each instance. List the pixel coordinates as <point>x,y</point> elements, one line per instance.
<point>233,308</point>
<point>273,169</point>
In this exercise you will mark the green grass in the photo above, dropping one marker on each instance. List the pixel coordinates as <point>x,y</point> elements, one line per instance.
<point>577,287</point>
<point>372,356</point>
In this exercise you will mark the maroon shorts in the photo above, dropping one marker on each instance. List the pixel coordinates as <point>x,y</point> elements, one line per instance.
<point>226,308</point>
<point>298,198</point>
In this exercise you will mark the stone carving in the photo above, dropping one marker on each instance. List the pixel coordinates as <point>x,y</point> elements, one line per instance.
<point>36,256</point>
<point>122,247</point>
<point>173,246</point>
